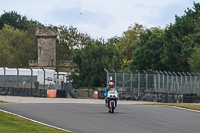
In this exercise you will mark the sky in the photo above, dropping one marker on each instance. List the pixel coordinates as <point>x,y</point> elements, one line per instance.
<point>100,18</point>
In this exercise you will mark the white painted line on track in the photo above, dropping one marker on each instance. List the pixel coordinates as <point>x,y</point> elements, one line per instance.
<point>180,108</point>
<point>35,121</point>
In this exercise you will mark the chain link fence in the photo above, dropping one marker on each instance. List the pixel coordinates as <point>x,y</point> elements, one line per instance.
<point>156,81</point>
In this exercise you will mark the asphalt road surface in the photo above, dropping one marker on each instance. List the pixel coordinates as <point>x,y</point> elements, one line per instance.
<point>94,118</point>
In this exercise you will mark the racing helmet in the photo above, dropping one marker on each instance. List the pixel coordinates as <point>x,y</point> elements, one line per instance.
<point>111,84</point>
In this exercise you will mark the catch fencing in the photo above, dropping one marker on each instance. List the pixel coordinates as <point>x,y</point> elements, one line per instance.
<point>33,82</point>
<point>28,78</point>
<point>156,81</point>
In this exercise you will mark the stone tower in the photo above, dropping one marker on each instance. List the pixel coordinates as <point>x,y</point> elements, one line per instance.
<point>46,49</point>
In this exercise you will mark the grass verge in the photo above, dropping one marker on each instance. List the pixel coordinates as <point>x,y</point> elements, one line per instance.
<point>2,102</point>
<point>193,106</point>
<point>14,124</point>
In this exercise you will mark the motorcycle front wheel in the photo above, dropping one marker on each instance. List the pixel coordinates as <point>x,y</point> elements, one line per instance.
<point>112,107</point>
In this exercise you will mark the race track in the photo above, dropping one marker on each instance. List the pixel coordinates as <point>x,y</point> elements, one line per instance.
<point>94,118</point>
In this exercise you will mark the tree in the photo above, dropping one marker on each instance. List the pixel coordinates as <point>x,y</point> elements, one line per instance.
<point>170,49</point>
<point>19,45</point>
<point>113,40</point>
<point>181,38</point>
<point>19,33</point>
<point>194,60</point>
<point>128,41</point>
<point>5,54</point>
<point>69,39</point>
<point>91,61</point>
<point>149,50</point>
<point>15,20</point>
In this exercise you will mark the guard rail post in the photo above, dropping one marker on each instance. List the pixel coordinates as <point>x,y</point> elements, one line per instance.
<point>158,89</point>
<point>4,76</point>
<point>163,80</point>
<point>138,80</point>
<point>31,76</point>
<point>167,81</point>
<point>44,78</point>
<point>115,77</point>
<point>131,79</point>
<point>107,77</point>
<point>185,82</point>
<point>17,77</point>
<point>176,82</point>
<point>172,81</point>
<point>190,86</point>
<point>146,79</point>
<point>123,78</point>
<point>181,88</point>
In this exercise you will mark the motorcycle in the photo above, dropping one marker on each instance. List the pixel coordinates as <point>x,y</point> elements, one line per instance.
<point>112,97</point>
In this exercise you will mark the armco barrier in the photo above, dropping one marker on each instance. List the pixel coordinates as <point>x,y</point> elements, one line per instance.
<point>55,93</point>
<point>23,92</point>
<point>141,96</point>
<point>155,97</point>
<point>191,98</point>
<point>61,94</point>
<point>29,92</point>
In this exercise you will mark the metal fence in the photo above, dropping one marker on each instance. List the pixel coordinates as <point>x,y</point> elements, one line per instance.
<point>157,81</point>
<point>26,78</point>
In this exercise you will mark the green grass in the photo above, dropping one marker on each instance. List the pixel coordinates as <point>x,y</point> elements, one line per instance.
<point>14,124</point>
<point>2,102</point>
<point>193,106</point>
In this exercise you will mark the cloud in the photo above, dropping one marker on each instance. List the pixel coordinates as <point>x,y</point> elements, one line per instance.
<point>76,15</point>
<point>100,18</point>
<point>166,13</point>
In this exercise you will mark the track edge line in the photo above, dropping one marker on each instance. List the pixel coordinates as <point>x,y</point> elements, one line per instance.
<point>35,121</point>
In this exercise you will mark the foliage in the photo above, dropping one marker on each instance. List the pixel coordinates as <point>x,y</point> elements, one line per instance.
<point>113,40</point>
<point>181,38</point>
<point>91,62</point>
<point>5,51</point>
<point>36,83</point>
<point>128,41</point>
<point>69,39</point>
<point>175,48</point>
<point>149,50</point>
<point>15,20</point>
<point>18,47</point>
<point>194,60</point>
<point>170,49</point>
<point>125,63</point>
<point>17,40</point>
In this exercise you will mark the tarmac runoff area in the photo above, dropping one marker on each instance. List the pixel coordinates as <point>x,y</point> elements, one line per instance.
<point>17,99</point>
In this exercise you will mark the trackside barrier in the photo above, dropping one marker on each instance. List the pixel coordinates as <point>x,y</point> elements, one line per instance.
<point>155,97</point>
<point>155,81</point>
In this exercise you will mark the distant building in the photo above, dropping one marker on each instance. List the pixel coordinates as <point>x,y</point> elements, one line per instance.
<point>46,49</point>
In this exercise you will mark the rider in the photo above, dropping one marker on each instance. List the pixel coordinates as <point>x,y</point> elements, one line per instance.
<point>110,86</point>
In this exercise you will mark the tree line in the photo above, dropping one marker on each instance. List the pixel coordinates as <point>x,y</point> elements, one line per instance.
<point>173,48</point>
